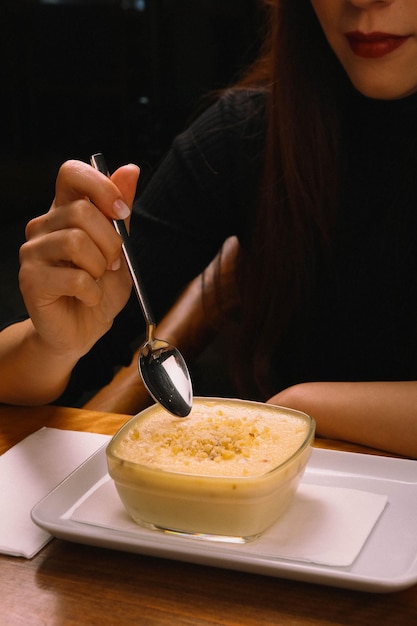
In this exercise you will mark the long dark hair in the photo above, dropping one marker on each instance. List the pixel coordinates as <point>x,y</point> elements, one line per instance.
<point>299,191</point>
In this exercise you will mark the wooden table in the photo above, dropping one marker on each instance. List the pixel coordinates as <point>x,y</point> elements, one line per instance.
<point>72,584</point>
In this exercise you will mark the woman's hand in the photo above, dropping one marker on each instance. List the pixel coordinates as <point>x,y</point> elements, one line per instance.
<point>73,278</point>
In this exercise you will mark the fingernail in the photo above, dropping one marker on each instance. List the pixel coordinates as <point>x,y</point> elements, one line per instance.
<point>116,265</point>
<point>121,209</point>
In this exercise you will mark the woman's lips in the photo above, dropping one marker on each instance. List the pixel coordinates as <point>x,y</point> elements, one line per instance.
<point>374,45</point>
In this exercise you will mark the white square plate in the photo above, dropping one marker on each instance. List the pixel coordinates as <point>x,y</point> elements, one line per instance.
<point>387,561</point>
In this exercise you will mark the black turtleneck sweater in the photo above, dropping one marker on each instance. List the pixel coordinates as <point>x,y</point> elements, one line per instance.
<point>362,323</point>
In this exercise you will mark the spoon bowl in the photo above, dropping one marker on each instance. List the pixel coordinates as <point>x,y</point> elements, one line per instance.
<point>161,365</point>
<point>165,375</point>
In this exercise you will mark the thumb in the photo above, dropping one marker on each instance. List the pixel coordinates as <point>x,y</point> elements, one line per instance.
<point>126,179</point>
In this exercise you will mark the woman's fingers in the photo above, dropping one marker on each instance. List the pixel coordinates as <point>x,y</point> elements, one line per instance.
<point>76,232</point>
<point>59,282</point>
<point>75,223</point>
<point>68,247</point>
<point>77,180</point>
<point>61,263</point>
<point>81,190</point>
<point>70,294</point>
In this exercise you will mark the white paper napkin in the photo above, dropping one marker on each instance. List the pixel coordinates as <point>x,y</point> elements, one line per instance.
<point>28,472</point>
<point>324,525</point>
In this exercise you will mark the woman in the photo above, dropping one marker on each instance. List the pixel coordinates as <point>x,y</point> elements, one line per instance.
<point>310,162</point>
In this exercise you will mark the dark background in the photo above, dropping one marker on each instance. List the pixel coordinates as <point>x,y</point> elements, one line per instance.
<point>117,76</point>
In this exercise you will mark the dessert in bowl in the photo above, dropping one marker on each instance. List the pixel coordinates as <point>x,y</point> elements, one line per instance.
<point>226,472</point>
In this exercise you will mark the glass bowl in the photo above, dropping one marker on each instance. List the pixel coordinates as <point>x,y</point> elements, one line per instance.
<point>226,472</point>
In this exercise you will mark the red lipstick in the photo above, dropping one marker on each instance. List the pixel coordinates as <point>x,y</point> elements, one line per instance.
<point>374,45</point>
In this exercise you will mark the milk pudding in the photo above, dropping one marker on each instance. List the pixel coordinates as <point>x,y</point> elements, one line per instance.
<point>228,470</point>
<point>214,441</point>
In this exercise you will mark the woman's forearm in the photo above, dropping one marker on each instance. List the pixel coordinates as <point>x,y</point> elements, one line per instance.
<point>30,372</point>
<point>381,415</point>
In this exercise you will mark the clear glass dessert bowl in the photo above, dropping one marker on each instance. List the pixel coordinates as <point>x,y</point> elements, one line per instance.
<point>226,472</point>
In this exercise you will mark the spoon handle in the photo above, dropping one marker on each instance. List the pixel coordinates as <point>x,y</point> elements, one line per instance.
<point>98,162</point>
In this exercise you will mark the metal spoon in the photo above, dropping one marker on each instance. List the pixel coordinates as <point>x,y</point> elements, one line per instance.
<point>161,366</point>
